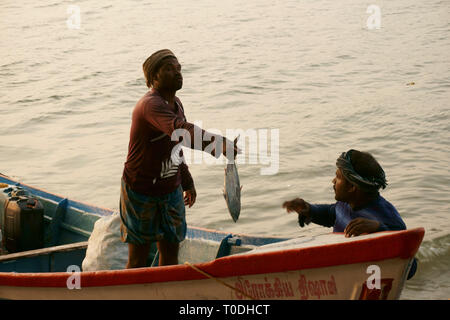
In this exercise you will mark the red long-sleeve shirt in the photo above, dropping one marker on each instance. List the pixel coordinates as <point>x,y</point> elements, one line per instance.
<point>149,168</point>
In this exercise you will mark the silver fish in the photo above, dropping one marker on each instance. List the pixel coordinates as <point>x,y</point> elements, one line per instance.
<point>232,191</point>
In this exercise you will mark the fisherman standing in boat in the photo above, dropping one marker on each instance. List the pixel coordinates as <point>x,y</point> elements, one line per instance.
<point>360,209</point>
<point>152,203</point>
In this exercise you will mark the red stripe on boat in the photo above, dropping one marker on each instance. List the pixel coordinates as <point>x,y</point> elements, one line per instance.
<point>401,244</point>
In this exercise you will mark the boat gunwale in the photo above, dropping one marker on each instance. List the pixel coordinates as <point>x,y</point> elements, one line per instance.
<point>387,245</point>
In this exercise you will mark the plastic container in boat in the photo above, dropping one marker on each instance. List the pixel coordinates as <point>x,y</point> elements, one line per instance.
<point>22,220</point>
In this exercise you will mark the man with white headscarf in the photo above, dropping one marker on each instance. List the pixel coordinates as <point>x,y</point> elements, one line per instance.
<point>360,209</point>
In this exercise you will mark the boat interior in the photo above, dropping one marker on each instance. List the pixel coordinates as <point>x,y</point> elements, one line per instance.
<point>68,225</point>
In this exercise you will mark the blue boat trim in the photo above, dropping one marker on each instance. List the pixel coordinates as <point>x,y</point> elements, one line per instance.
<point>52,235</point>
<point>192,232</point>
<point>74,204</point>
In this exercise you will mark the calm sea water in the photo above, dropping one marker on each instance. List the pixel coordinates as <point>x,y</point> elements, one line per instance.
<point>311,71</point>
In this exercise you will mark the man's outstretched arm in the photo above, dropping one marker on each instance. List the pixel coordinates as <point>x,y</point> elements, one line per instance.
<point>321,214</point>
